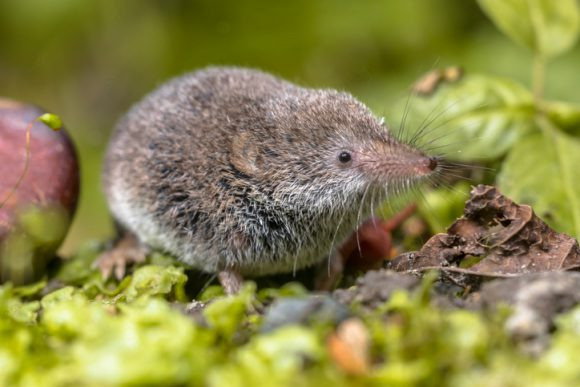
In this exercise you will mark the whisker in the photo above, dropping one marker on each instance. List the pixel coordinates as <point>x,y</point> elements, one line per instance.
<point>462,165</point>
<point>445,122</point>
<point>459,176</point>
<point>427,121</point>
<point>373,209</point>
<point>295,263</point>
<point>405,114</point>
<point>427,148</point>
<point>433,129</point>
<point>358,219</point>
<point>330,252</point>
<point>208,282</point>
<point>442,183</point>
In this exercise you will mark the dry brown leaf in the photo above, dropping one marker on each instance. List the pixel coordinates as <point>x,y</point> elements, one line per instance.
<point>509,239</point>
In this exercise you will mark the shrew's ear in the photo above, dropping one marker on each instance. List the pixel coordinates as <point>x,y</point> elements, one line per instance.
<point>245,155</point>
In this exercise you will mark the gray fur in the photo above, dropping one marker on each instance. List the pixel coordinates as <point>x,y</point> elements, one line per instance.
<point>230,168</point>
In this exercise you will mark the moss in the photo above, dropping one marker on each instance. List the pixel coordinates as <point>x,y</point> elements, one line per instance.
<point>137,333</point>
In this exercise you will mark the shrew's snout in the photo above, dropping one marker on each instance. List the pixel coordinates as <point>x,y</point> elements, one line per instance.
<point>426,164</point>
<point>431,163</point>
<point>397,161</point>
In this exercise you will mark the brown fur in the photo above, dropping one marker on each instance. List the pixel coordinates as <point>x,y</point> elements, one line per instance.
<point>230,168</point>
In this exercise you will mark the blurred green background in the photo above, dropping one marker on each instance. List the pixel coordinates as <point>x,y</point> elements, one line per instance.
<point>88,61</point>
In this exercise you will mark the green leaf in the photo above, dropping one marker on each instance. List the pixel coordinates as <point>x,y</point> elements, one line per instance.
<point>478,117</point>
<point>564,115</point>
<point>547,27</point>
<point>542,171</point>
<point>51,120</point>
<point>443,206</point>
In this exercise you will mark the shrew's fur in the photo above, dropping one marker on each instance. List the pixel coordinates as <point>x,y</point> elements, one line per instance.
<point>230,168</point>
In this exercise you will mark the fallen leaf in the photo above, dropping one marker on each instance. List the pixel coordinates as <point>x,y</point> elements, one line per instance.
<point>506,239</point>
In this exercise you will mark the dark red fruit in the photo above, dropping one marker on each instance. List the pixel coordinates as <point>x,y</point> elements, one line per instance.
<point>39,186</point>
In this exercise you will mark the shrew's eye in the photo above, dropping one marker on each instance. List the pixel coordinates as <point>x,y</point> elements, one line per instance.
<point>344,157</point>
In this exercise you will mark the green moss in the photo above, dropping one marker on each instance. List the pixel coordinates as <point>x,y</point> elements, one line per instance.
<point>133,334</point>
